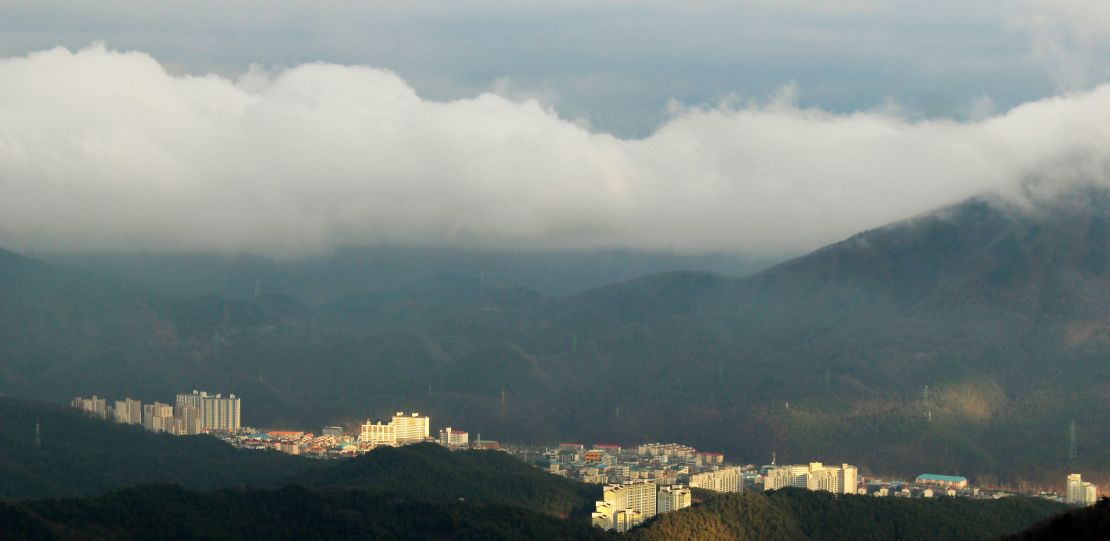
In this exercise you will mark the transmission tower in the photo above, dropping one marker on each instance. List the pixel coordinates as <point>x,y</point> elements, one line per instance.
<point>1071,440</point>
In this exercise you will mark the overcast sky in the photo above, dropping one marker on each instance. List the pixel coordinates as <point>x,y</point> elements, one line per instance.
<point>763,126</point>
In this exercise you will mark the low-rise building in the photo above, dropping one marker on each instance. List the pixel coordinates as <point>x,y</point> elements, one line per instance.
<point>953,481</point>
<point>450,437</point>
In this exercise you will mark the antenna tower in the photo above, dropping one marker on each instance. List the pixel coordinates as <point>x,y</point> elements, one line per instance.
<point>1071,440</point>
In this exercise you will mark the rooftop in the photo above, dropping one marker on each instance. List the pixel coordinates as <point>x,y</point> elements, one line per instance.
<point>946,478</point>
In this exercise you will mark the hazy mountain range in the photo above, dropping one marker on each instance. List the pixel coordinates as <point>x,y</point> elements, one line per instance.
<point>962,341</point>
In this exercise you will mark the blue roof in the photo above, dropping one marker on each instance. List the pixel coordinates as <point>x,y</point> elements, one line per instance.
<point>945,478</point>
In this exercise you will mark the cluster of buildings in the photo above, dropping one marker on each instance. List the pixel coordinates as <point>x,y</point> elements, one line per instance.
<point>334,442</point>
<point>655,478</point>
<point>652,478</point>
<point>640,481</point>
<point>192,413</point>
<point>661,463</point>
<point>926,485</point>
<point>1080,492</point>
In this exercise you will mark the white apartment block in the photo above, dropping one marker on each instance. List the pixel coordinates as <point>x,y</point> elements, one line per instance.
<point>158,417</point>
<point>378,434</point>
<point>219,413</point>
<point>815,476</point>
<point>626,505</point>
<point>608,517</point>
<point>190,399</point>
<point>722,480</point>
<point>94,406</point>
<point>404,429</point>
<point>671,498</point>
<point>129,412</point>
<point>186,419</point>
<point>216,411</point>
<point>412,428</point>
<point>1080,492</point>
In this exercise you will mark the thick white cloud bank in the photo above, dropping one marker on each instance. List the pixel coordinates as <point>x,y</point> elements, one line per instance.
<point>104,150</point>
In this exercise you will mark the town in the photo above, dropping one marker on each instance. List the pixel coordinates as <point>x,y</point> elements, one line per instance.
<point>639,481</point>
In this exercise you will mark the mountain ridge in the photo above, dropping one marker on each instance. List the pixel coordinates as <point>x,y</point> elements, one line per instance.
<point>1001,313</point>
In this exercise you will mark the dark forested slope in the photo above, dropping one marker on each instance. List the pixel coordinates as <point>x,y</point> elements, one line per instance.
<point>802,514</point>
<point>78,455</point>
<point>154,511</point>
<point>430,472</point>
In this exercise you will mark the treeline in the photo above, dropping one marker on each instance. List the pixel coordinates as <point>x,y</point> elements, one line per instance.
<point>802,514</point>
<point>1085,524</point>
<point>292,512</point>
<point>295,512</point>
<point>429,472</point>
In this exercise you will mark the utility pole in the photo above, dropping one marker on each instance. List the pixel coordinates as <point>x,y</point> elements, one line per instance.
<point>1071,440</point>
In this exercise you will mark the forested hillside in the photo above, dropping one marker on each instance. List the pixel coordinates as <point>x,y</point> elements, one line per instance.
<point>291,512</point>
<point>965,341</point>
<point>432,473</point>
<point>801,514</point>
<point>295,512</point>
<point>78,455</point>
<point>1084,524</point>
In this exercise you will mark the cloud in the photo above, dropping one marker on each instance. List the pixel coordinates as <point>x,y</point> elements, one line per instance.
<point>615,63</point>
<point>1071,37</point>
<point>101,149</point>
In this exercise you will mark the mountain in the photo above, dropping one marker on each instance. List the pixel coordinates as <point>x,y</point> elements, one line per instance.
<point>318,279</point>
<point>801,514</point>
<point>963,341</point>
